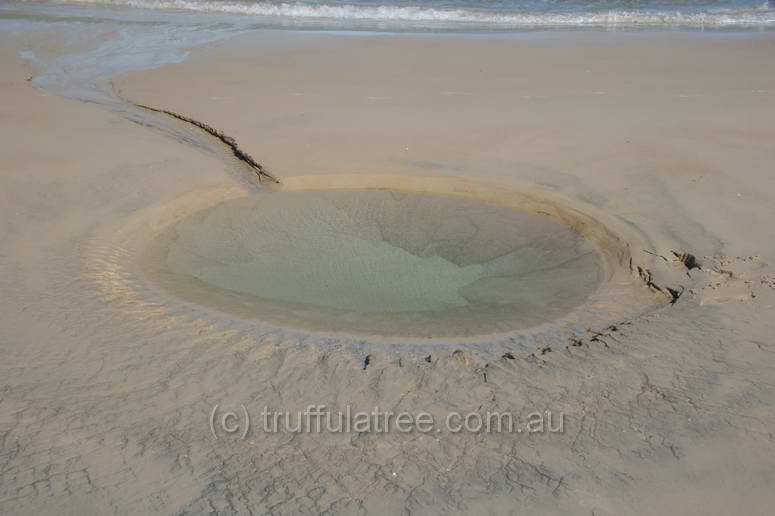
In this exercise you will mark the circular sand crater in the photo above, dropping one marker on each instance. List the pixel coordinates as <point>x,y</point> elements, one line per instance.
<point>412,259</point>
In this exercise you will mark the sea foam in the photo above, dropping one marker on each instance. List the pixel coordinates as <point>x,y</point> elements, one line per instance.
<point>719,17</point>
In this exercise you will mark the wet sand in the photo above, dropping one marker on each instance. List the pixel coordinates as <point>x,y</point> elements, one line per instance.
<point>664,139</point>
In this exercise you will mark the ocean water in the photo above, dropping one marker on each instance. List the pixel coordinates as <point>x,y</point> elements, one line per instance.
<point>474,14</point>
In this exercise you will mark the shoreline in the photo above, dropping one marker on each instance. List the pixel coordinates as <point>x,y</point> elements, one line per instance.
<point>446,17</point>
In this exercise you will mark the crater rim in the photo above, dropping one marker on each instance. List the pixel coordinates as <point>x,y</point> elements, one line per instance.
<point>612,240</point>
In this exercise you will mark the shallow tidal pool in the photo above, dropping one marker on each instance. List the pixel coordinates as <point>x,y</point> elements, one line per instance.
<point>377,263</point>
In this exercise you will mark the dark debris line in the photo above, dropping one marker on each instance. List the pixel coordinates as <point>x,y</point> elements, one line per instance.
<point>225,139</point>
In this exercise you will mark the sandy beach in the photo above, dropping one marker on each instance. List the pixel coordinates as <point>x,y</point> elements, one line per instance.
<point>651,145</point>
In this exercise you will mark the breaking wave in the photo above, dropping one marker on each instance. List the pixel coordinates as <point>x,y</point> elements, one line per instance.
<point>578,17</point>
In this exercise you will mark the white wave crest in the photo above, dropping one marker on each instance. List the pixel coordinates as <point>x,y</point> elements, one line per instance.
<point>392,13</point>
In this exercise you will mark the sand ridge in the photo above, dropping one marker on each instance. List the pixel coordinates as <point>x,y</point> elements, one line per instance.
<point>622,294</point>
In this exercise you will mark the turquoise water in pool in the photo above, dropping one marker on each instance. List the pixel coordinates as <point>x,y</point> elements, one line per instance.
<point>379,262</point>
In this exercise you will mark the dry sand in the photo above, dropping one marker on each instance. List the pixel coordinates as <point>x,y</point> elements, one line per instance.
<point>107,383</point>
